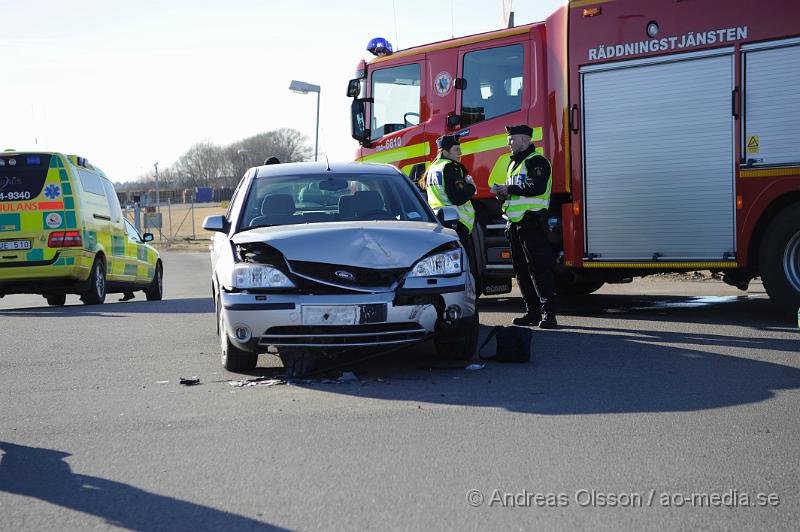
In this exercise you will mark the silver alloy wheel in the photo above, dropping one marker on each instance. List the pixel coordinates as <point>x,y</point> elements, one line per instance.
<point>100,281</point>
<point>791,261</point>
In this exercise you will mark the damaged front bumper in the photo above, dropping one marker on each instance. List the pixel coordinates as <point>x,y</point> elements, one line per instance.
<point>417,310</point>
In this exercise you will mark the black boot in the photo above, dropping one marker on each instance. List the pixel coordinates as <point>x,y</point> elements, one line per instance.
<point>527,320</point>
<point>548,321</point>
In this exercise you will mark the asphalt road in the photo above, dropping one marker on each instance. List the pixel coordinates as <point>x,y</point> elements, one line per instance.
<point>657,405</point>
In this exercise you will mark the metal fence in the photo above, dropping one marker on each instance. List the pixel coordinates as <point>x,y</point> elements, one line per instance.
<point>173,222</point>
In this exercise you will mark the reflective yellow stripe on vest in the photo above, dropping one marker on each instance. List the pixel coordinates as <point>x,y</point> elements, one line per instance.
<point>515,207</point>
<point>437,196</point>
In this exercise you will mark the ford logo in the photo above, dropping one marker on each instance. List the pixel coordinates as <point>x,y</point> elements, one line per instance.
<point>347,276</point>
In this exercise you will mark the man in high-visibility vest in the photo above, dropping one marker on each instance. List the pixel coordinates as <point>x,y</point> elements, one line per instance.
<point>448,184</point>
<point>526,198</point>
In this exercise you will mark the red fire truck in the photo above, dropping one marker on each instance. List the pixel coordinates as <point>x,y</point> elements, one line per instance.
<point>673,127</point>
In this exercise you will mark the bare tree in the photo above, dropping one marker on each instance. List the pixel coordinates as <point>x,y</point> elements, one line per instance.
<point>199,166</point>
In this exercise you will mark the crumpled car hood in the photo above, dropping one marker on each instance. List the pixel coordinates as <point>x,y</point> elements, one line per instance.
<point>379,244</point>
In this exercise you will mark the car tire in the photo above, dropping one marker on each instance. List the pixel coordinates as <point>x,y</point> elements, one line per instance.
<point>779,258</point>
<point>95,293</point>
<point>56,300</point>
<point>231,357</point>
<point>156,289</point>
<point>298,361</point>
<point>460,346</point>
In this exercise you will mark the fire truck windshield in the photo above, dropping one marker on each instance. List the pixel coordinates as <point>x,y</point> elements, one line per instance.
<point>396,92</point>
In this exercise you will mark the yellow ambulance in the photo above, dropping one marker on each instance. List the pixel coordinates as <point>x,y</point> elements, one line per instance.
<point>62,232</point>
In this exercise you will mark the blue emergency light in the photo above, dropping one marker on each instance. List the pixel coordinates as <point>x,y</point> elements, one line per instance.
<point>379,47</point>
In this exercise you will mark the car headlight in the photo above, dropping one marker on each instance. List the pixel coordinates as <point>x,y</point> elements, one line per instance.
<point>259,276</point>
<point>446,263</point>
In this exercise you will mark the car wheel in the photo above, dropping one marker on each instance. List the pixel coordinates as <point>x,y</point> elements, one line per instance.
<point>297,361</point>
<point>95,293</point>
<point>460,345</point>
<point>233,358</point>
<point>779,258</point>
<point>155,291</point>
<point>56,300</point>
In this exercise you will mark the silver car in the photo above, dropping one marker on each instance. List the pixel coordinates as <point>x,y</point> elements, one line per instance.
<point>320,258</point>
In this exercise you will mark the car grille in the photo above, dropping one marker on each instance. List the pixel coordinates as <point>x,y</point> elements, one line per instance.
<point>349,276</point>
<point>343,336</point>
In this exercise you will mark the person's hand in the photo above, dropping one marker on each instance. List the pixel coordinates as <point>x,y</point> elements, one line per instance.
<point>469,180</point>
<point>501,191</point>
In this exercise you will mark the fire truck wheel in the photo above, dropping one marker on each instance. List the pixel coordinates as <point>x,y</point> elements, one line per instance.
<point>779,258</point>
<point>566,287</point>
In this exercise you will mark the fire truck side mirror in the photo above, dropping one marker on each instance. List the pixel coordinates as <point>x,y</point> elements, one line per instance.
<point>353,88</point>
<point>358,124</point>
<point>453,120</point>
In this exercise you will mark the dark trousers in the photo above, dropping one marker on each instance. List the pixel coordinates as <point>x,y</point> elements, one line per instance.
<point>466,240</point>
<point>533,262</point>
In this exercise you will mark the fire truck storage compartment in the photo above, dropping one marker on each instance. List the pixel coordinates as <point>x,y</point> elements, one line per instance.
<point>771,103</point>
<point>658,158</point>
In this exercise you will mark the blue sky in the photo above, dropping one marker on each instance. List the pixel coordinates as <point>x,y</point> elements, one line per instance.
<point>127,84</point>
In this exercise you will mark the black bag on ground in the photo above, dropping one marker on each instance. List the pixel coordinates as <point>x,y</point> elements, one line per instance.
<point>513,344</point>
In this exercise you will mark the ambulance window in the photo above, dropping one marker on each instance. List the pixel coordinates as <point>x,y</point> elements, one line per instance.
<point>494,83</point>
<point>396,93</point>
<point>113,202</point>
<point>22,177</point>
<point>90,182</point>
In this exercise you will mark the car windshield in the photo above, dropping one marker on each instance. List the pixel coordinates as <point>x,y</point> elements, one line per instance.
<point>319,198</point>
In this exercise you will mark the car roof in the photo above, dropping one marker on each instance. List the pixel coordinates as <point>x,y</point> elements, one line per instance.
<point>299,169</point>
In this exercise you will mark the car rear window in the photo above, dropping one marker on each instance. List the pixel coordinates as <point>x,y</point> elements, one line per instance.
<point>22,176</point>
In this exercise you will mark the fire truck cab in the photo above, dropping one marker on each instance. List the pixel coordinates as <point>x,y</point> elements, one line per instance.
<point>671,127</point>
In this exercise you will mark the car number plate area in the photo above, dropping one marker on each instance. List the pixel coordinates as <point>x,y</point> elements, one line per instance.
<point>330,315</point>
<point>14,245</point>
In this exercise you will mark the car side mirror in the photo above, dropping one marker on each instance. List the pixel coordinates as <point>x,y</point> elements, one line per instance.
<point>147,237</point>
<point>448,216</point>
<point>215,223</point>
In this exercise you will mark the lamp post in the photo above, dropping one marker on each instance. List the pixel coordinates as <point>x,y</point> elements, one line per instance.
<point>301,87</point>
<point>243,152</point>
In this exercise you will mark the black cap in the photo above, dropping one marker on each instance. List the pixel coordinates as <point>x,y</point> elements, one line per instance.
<point>520,130</point>
<point>445,142</point>
<point>271,160</point>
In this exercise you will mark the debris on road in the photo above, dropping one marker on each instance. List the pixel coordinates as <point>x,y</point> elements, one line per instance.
<point>473,367</point>
<point>191,381</point>
<point>258,381</point>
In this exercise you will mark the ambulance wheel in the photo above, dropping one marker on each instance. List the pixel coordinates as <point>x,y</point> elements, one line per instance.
<point>56,300</point>
<point>462,342</point>
<point>95,293</point>
<point>233,358</point>
<point>779,258</point>
<point>155,291</point>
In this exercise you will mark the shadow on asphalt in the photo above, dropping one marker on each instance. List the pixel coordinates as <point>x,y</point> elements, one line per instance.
<point>114,308</point>
<point>43,474</point>
<point>586,370</point>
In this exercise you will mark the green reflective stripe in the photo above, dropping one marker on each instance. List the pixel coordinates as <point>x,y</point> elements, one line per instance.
<point>10,222</point>
<point>398,154</point>
<point>492,143</point>
<point>485,144</point>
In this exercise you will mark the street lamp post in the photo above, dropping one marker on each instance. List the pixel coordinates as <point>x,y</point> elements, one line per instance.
<point>243,152</point>
<point>301,87</point>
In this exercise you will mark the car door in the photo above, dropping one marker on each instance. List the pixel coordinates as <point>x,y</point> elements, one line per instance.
<point>491,99</point>
<point>145,258</point>
<point>123,263</point>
